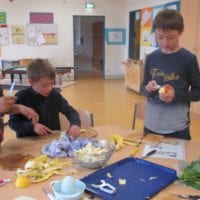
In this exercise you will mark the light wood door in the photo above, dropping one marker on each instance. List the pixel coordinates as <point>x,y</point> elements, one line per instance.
<point>191,35</point>
<point>190,38</point>
<point>98,45</point>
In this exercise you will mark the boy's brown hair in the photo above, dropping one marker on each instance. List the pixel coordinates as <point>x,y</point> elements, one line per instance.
<point>40,68</point>
<point>169,19</point>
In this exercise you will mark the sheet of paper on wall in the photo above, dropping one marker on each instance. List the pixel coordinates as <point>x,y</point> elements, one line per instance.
<point>115,36</point>
<point>31,35</point>
<point>4,36</point>
<point>40,39</point>
<point>164,150</point>
<point>30,31</point>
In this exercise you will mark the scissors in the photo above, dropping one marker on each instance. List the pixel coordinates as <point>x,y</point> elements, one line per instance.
<point>105,187</point>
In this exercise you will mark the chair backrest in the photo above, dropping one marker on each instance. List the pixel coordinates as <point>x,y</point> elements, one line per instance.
<point>138,112</point>
<point>86,118</point>
<point>25,62</point>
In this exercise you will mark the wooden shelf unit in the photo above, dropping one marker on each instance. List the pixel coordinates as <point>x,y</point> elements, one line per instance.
<point>134,74</point>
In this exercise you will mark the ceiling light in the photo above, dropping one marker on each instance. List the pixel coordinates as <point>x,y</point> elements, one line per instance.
<point>89,5</point>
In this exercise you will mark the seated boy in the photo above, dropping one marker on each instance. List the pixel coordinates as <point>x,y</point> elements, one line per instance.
<point>46,101</point>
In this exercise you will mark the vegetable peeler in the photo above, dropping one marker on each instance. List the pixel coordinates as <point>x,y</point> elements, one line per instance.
<point>105,187</point>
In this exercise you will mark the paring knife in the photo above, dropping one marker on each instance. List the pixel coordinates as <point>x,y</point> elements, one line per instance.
<point>149,154</point>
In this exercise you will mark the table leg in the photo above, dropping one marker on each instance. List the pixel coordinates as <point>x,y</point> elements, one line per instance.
<point>20,77</point>
<point>60,78</point>
<point>12,77</point>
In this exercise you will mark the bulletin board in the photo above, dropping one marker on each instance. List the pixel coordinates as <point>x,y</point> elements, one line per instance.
<point>42,34</point>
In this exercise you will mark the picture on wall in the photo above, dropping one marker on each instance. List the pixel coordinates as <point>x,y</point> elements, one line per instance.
<point>2,17</point>
<point>115,36</point>
<point>18,34</point>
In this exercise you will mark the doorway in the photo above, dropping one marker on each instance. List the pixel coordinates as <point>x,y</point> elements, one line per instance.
<point>89,51</point>
<point>134,34</point>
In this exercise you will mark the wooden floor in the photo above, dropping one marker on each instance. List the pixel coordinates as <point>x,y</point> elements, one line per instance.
<point>109,100</point>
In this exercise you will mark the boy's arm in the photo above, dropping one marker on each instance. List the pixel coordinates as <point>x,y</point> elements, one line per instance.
<point>29,113</point>
<point>71,114</point>
<point>19,122</point>
<point>194,80</point>
<point>21,125</point>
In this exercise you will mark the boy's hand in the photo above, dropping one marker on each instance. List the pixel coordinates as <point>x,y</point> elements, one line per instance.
<point>6,103</point>
<point>166,93</point>
<point>151,86</point>
<point>74,131</point>
<point>41,129</point>
<point>29,113</point>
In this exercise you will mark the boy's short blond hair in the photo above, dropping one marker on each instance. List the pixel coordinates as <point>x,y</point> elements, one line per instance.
<point>169,19</point>
<point>40,68</point>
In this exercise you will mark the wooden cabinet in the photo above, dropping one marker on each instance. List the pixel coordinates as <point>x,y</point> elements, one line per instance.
<point>190,38</point>
<point>134,74</point>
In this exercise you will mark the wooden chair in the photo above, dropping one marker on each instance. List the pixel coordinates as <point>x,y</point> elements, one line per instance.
<point>138,112</point>
<point>25,62</point>
<point>86,117</point>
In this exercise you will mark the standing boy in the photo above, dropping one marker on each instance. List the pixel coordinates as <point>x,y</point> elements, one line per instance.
<point>46,101</point>
<point>167,111</point>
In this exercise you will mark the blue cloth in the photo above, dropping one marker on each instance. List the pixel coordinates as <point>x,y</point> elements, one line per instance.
<point>64,146</point>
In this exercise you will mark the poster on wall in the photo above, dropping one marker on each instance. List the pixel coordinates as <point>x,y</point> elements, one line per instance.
<point>146,26</point>
<point>2,17</point>
<point>41,34</point>
<point>41,17</point>
<point>4,36</point>
<point>173,5</point>
<point>18,34</point>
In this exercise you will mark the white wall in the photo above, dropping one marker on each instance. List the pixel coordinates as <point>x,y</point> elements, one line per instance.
<point>116,14</point>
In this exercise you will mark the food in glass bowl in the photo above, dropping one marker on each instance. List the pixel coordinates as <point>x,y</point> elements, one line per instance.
<point>94,154</point>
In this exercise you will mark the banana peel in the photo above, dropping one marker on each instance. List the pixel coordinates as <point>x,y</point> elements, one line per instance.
<point>41,168</point>
<point>43,158</point>
<point>118,140</point>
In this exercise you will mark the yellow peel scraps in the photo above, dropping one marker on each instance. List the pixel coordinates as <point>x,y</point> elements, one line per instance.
<point>122,181</point>
<point>42,168</point>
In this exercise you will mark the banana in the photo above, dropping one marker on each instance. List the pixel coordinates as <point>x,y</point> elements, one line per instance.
<point>118,140</point>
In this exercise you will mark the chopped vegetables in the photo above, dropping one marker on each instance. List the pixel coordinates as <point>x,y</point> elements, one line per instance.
<point>109,175</point>
<point>191,175</point>
<point>90,153</point>
<point>122,181</point>
<point>152,178</point>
